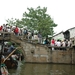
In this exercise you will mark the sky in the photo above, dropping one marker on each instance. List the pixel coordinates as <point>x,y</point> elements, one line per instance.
<point>61,11</point>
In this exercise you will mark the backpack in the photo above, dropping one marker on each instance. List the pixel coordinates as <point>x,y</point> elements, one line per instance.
<point>16,30</point>
<point>25,31</point>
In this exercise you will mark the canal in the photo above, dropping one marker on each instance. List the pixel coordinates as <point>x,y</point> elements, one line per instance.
<point>43,69</point>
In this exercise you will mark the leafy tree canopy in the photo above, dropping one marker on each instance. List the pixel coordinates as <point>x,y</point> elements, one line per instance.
<point>36,19</point>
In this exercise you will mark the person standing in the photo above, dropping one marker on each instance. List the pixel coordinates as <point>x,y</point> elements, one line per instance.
<point>32,35</point>
<point>39,38</point>
<point>16,31</point>
<point>52,43</point>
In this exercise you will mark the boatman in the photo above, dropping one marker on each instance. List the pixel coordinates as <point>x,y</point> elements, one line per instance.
<point>11,48</point>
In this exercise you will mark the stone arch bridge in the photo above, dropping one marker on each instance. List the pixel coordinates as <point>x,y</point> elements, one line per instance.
<point>39,53</point>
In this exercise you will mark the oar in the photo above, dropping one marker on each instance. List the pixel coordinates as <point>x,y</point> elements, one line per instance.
<point>10,54</point>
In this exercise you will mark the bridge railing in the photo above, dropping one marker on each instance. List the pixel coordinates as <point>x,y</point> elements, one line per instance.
<point>5,35</point>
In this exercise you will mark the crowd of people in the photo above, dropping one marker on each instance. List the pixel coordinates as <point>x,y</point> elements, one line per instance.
<point>26,33</point>
<point>31,35</point>
<point>61,43</point>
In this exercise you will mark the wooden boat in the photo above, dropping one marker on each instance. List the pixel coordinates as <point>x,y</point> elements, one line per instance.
<point>11,64</point>
<point>9,61</point>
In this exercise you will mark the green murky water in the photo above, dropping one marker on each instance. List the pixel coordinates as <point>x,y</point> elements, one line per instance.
<point>43,69</point>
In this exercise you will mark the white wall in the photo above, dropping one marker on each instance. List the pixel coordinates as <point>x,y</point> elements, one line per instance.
<point>59,36</point>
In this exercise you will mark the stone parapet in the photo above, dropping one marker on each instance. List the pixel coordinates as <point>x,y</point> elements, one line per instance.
<point>42,54</point>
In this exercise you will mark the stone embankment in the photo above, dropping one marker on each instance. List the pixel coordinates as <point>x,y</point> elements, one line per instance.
<point>43,54</point>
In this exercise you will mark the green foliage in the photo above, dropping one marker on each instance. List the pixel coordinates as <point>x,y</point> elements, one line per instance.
<point>18,51</point>
<point>9,43</point>
<point>37,19</point>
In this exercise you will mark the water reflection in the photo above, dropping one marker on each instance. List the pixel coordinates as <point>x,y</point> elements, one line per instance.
<point>46,69</point>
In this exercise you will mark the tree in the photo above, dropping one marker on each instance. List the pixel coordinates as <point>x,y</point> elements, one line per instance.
<point>14,22</point>
<point>11,21</point>
<point>38,19</point>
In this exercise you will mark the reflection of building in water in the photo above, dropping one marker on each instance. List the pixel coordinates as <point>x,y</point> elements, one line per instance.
<point>70,33</point>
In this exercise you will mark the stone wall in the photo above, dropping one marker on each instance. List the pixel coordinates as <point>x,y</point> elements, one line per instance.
<point>42,54</point>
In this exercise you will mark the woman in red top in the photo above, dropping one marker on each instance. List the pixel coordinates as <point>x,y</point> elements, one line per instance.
<point>52,42</point>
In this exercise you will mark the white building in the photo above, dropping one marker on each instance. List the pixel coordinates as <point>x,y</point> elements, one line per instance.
<point>70,33</point>
<point>59,36</point>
